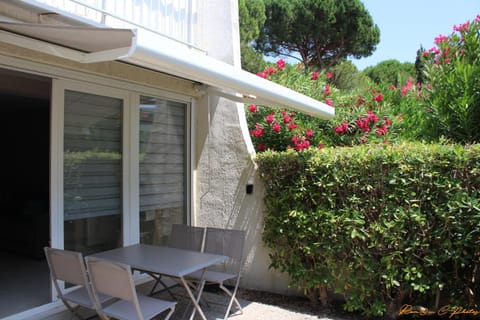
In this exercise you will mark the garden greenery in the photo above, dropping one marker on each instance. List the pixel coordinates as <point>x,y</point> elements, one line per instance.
<point>382,226</point>
<point>381,203</point>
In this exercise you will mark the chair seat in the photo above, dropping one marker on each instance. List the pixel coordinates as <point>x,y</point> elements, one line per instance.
<point>125,310</point>
<point>80,296</point>
<point>212,276</point>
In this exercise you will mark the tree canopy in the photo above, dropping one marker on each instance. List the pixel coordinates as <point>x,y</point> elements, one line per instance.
<point>252,18</point>
<point>391,72</point>
<point>321,32</point>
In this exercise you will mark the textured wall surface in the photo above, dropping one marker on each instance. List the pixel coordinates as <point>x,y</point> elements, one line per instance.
<point>223,161</point>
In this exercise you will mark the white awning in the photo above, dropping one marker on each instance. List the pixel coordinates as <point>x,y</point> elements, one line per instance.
<point>90,44</point>
<point>81,44</point>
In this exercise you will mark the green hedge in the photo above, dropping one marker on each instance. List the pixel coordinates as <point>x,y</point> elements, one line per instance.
<point>383,226</point>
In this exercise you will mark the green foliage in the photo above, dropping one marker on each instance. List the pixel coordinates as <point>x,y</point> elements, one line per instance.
<point>452,77</point>
<point>251,17</point>
<point>321,32</point>
<point>382,225</point>
<point>347,77</point>
<point>391,72</point>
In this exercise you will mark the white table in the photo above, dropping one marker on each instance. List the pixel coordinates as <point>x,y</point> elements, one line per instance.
<point>171,262</point>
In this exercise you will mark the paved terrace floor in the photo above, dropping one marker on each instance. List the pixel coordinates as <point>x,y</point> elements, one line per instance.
<point>216,308</point>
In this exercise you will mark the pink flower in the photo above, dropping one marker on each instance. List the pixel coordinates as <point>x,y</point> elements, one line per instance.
<point>281,64</point>
<point>362,123</point>
<point>461,28</point>
<point>270,118</point>
<point>363,139</point>
<point>372,117</point>
<point>252,108</point>
<point>258,131</point>
<point>382,130</point>
<point>283,112</point>
<point>327,90</point>
<point>388,122</point>
<point>286,119</point>
<point>321,146</point>
<point>276,127</point>
<point>314,75</point>
<point>300,143</point>
<point>292,126</point>
<point>270,70</point>
<point>329,102</point>
<point>378,97</point>
<point>309,133</point>
<point>262,75</point>
<point>261,147</point>
<point>329,75</point>
<point>440,38</point>
<point>342,128</point>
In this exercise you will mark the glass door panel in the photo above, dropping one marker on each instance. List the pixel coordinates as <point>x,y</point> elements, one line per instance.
<point>162,168</point>
<point>92,171</point>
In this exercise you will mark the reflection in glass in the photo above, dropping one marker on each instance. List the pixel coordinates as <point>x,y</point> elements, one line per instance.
<point>162,168</point>
<point>92,172</point>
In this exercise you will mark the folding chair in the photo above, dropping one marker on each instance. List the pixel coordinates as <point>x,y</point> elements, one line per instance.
<point>69,266</point>
<point>115,279</point>
<point>230,243</point>
<point>182,237</point>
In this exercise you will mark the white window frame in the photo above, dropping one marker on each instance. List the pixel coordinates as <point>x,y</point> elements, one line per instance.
<point>57,108</point>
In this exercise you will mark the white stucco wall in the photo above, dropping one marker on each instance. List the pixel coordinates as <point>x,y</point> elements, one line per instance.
<point>223,162</point>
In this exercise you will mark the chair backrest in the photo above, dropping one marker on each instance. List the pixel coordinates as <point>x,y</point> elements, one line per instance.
<point>111,278</point>
<point>227,242</point>
<point>186,237</point>
<point>67,266</point>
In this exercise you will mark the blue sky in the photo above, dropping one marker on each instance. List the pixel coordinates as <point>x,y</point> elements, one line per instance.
<point>407,24</point>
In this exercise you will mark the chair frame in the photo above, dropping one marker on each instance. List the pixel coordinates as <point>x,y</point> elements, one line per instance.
<point>216,245</point>
<point>76,279</point>
<point>130,296</point>
<point>185,237</point>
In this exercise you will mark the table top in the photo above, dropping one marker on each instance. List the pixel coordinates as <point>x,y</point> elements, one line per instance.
<point>163,260</point>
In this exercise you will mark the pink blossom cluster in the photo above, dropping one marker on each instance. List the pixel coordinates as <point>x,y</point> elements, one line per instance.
<point>364,124</point>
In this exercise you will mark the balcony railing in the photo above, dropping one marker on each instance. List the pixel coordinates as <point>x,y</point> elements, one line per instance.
<point>174,19</point>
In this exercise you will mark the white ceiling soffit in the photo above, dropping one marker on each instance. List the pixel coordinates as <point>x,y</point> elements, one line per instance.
<point>90,44</point>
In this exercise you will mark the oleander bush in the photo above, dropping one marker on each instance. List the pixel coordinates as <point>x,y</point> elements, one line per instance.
<point>382,225</point>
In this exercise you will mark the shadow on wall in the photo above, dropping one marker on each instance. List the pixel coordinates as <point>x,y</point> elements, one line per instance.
<point>248,214</point>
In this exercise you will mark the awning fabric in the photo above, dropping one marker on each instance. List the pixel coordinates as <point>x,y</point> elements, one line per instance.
<point>91,44</point>
<point>82,44</point>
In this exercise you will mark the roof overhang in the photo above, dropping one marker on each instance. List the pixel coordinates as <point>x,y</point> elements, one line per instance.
<point>92,44</point>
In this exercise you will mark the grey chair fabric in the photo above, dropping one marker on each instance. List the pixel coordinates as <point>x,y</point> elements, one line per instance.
<point>115,279</point>
<point>186,237</point>
<point>69,266</point>
<point>230,243</point>
<point>182,237</point>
